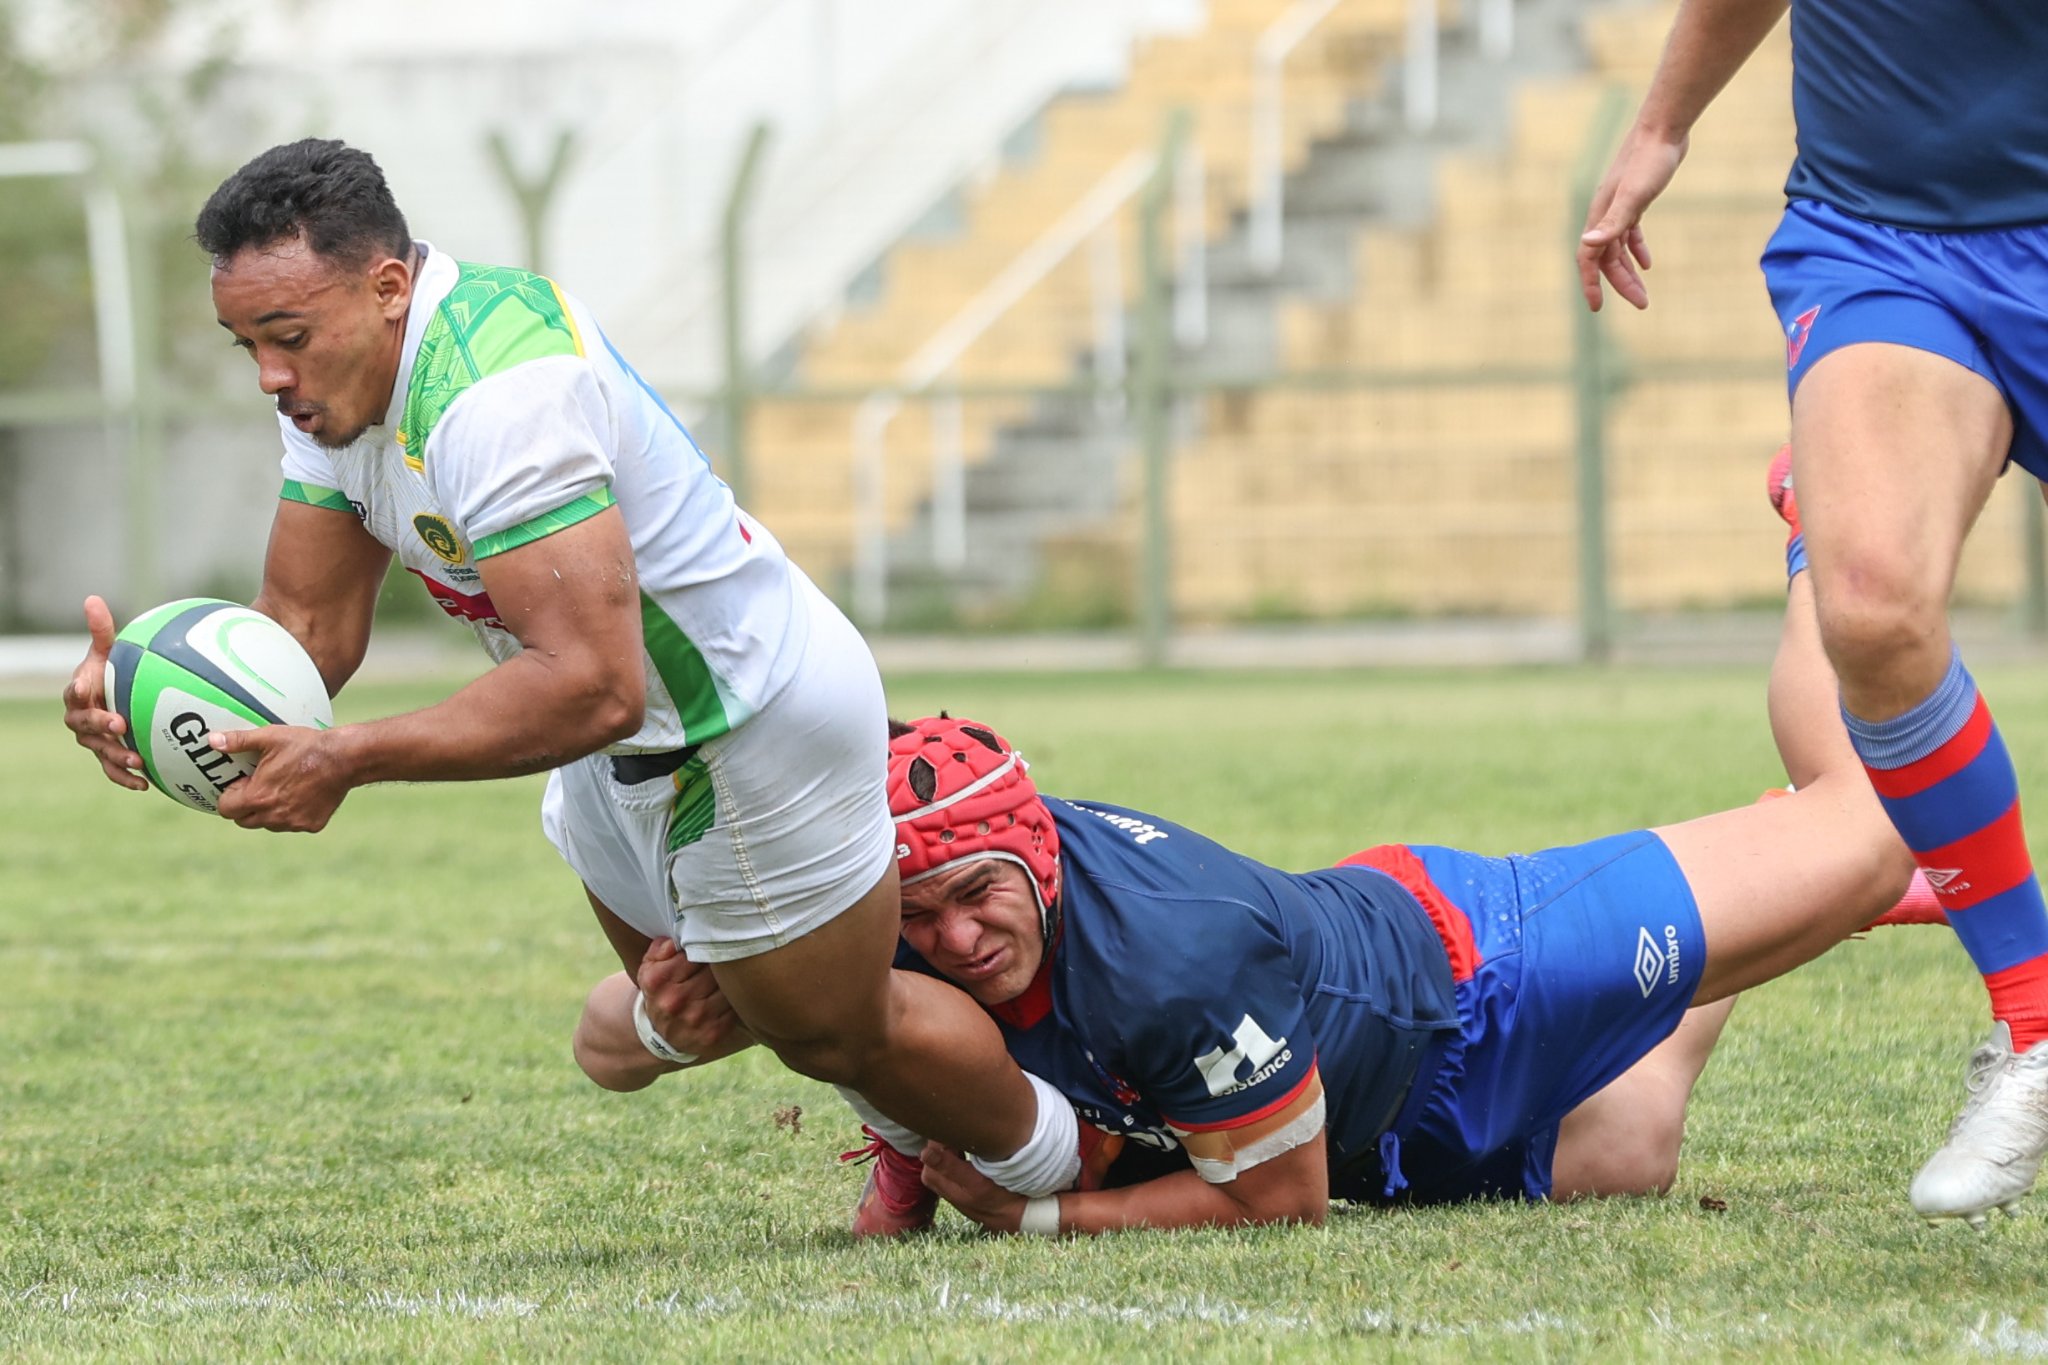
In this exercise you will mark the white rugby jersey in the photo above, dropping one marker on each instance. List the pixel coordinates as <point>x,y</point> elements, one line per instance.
<point>513,418</point>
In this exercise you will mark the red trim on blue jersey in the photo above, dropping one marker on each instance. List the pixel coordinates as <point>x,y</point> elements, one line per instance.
<point>1951,758</point>
<point>1032,1005</point>
<point>1244,1120</point>
<point>1452,924</point>
<point>1034,1002</point>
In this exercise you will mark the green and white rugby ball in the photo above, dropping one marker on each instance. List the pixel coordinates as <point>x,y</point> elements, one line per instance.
<point>191,667</point>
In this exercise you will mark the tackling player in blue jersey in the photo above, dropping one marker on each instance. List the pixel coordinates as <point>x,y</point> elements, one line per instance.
<point>1416,1018</point>
<point>1910,275</point>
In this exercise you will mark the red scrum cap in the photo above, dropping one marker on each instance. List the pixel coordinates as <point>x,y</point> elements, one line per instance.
<point>958,791</point>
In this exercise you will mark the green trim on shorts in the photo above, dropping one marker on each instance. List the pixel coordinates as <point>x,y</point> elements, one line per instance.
<point>313,495</point>
<point>695,806</point>
<point>546,524</point>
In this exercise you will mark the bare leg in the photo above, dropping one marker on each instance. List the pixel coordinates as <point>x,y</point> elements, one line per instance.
<point>919,1050</point>
<point>1779,884</point>
<point>1805,721</point>
<point>1896,451</point>
<point>1626,1139</point>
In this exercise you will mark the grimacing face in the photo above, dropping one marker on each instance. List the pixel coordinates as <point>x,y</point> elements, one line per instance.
<point>326,339</point>
<point>977,923</point>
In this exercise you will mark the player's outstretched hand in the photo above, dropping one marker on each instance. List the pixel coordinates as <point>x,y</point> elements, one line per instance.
<point>85,705</point>
<point>1613,245</point>
<point>684,1003</point>
<point>298,783</point>
<point>950,1176</point>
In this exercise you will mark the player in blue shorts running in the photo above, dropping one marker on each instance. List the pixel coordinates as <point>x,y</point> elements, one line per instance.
<point>1416,1019</point>
<point>1910,274</point>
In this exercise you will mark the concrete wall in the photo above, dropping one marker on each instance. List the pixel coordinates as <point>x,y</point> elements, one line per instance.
<point>658,96</point>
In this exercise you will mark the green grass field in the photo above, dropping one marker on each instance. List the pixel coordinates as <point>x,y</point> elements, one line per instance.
<point>267,1095</point>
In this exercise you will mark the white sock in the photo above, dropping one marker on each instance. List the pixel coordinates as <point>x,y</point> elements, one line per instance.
<point>1048,1163</point>
<point>892,1132</point>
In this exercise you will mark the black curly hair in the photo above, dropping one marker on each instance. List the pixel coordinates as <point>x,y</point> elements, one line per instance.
<point>328,193</point>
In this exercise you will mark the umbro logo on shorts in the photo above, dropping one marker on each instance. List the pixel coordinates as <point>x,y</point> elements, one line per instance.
<point>1654,960</point>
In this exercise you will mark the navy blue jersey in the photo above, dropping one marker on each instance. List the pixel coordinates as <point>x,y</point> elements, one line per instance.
<point>1193,989</point>
<point>1927,114</point>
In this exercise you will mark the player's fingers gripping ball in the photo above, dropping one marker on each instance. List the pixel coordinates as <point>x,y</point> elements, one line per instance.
<point>958,791</point>
<point>193,667</point>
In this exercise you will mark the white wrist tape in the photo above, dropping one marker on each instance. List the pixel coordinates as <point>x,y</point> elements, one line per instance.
<point>1041,1217</point>
<point>651,1039</point>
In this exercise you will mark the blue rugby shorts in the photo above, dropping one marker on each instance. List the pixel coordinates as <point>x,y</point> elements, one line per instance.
<point>1978,298</point>
<point>1589,957</point>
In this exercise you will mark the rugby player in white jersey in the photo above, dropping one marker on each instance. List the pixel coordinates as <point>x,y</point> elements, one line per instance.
<point>714,726</point>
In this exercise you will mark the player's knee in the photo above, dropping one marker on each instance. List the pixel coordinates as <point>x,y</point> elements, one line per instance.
<point>1647,1163</point>
<point>1871,616</point>
<point>835,1061</point>
<point>1654,1173</point>
<point>1635,1158</point>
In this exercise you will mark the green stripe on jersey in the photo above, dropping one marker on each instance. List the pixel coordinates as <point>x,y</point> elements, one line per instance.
<point>313,495</point>
<point>493,319</point>
<point>684,673</point>
<point>546,524</point>
<point>696,805</point>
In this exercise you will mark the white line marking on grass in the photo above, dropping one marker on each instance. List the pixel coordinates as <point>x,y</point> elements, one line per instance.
<point>454,1303</point>
<point>2006,1338</point>
<point>160,1301</point>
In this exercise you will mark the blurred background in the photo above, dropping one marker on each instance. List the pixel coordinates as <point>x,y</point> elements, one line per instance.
<point>1177,325</point>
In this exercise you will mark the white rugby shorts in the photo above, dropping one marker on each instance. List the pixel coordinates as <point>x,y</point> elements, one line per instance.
<point>766,833</point>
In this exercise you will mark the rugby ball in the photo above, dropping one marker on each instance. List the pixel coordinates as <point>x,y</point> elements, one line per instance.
<point>191,667</point>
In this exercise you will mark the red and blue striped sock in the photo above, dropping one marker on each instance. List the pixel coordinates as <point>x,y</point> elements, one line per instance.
<point>1942,772</point>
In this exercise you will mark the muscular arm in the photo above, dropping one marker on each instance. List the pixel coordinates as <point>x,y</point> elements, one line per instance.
<point>1709,42</point>
<point>1271,1170</point>
<point>321,576</point>
<point>573,599</point>
<point>1293,1187</point>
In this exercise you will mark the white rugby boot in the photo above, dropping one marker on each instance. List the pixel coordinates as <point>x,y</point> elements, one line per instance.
<point>1995,1146</point>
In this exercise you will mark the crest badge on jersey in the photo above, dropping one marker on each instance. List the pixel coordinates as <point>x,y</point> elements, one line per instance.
<point>439,537</point>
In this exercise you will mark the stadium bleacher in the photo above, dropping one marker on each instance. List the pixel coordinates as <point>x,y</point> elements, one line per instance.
<point>1455,495</point>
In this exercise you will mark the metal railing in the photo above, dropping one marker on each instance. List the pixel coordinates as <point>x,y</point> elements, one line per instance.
<point>1593,372</point>
<point>1494,23</point>
<point>123,381</point>
<point>1091,218</point>
<point>1268,170</point>
<point>1136,371</point>
<point>1492,20</point>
